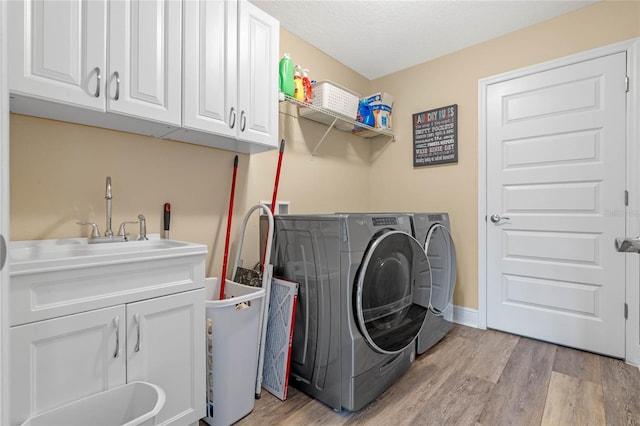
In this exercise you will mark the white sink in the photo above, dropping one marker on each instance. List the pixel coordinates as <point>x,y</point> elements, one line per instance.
<point>27,256</point>
<point>53,278</point>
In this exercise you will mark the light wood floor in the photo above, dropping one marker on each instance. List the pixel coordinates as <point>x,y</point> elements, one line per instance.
<point>483,377</point>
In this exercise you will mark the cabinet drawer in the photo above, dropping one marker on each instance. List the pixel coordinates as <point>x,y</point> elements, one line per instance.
<point>49,294</point>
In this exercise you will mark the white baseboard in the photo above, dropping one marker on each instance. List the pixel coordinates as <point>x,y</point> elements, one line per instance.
<point>465,316</point>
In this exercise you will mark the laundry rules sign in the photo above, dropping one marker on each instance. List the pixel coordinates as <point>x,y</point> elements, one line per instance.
<point>435,136</point>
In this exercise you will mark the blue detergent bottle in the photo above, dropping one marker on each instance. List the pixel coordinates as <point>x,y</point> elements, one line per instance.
<point>365,113</point>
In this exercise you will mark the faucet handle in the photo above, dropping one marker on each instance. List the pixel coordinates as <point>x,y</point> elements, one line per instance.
<point>143,228</point>
<point>123,232</point>
<point>95,233</point>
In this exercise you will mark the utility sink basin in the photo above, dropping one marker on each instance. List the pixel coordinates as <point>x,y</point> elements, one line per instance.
<point>38,254</point>
<point>52,278</point>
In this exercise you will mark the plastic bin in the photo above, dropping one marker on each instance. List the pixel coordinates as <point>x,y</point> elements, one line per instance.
<point>233,331</point>
<point>134,404</point>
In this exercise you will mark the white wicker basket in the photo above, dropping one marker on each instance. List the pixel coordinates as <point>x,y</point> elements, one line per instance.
<point>336,99</point>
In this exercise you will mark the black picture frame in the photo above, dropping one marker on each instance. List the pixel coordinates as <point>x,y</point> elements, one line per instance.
<point>435,136</point>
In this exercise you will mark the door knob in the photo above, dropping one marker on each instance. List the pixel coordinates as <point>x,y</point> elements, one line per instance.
<point>495,218</point>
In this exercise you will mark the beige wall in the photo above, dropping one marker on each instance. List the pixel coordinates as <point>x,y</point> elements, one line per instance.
<point>58,170</point>
<point>453,79</point>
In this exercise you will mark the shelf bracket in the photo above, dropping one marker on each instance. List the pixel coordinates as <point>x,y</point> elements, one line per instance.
<point>324,136</point>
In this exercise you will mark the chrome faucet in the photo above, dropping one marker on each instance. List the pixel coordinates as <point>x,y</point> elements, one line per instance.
<point>108,232</point>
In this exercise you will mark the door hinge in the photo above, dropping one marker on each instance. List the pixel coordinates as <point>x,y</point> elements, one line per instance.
<point>626,198</point>
<point>626,311</point>
<point>626,84</point>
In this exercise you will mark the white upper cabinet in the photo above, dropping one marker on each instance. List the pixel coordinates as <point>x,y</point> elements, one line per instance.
<point>145,58</point>
<point>66,64</point>
<point>210,69</point>
<point>57,51</point>
<point>138,66</point>
<point>259,39</point>
<point>230,69</point>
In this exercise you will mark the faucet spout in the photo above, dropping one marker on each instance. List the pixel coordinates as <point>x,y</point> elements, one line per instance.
<point>108,232</point>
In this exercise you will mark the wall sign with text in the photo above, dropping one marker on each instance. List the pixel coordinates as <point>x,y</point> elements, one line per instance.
<point>435,136</point>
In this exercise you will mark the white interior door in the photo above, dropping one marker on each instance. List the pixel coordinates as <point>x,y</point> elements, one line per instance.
<point>555,203</point>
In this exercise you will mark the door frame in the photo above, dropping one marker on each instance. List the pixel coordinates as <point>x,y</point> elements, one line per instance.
<point>632,271</point>
<point>4,219</point>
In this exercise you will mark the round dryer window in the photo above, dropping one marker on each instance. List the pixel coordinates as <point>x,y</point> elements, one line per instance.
<point>395,269</point>
<point>442,258</point>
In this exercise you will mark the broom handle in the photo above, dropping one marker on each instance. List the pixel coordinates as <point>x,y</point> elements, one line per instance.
<point>273,200</point>
<point>226,243</point>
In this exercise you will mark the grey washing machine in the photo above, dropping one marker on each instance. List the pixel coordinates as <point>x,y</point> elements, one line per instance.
<point>363,298</point>
<point>433,231</point>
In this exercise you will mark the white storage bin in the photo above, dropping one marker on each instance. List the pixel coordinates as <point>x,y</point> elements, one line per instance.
<point>335,99</point>
<point>233,330</point>
<point>134,404</point>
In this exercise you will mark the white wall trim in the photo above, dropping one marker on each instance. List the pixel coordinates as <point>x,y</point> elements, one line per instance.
<point>465,316</point>
<point>633,180</point>
<point>632,350</point>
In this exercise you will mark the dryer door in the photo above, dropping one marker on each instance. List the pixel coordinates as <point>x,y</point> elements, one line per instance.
<point>387,311</point>
<point>442,258</point>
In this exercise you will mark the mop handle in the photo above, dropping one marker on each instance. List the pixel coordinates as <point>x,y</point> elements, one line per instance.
<point>273,199</point>
<point>226,243</point>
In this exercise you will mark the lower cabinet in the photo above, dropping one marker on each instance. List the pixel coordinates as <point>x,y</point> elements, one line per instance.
<point>166,347</point>
<point>159,340</point>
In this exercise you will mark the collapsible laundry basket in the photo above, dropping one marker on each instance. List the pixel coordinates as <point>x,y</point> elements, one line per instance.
<point>235,342</point>
<point>134,404</point>
<point>233,327</point>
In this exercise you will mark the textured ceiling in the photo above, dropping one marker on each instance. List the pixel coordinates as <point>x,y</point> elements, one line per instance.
<point>376,37</point>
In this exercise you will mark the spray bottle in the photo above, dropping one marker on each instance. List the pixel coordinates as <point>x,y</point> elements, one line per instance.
<point>299,88</point>
<point>308,89</point>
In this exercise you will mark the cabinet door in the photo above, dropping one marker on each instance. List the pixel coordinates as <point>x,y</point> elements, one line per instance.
<point>166,347</point>
<point>57,50</point>
<point>210,70</point>
<point>56,361</point>
<point>145,59</point>
<point>259,39</point>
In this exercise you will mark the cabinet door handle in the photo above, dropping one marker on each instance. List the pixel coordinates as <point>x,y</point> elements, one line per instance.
<point>243,121</point>
<point>136,317</point>
<point>232,118</point>
<point>116,75</point>
<point>116,323</point>
<point>98,77</point>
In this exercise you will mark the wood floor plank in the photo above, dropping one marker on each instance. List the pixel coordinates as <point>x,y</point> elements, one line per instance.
<point>314,413</point>
<point>425,377</point>
<point>459,401</point>
<point>270,410</point>
<point>583,365</point>
<point>621,388</point>
<point>519,396</point>
<point>490,355</point>
<point>573,401</point>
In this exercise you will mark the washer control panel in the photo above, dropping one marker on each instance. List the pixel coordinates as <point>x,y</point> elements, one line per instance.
<point>384,221</point>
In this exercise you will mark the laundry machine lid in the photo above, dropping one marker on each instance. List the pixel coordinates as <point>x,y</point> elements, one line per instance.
<point>394,270</point>
<point>441,253</point>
